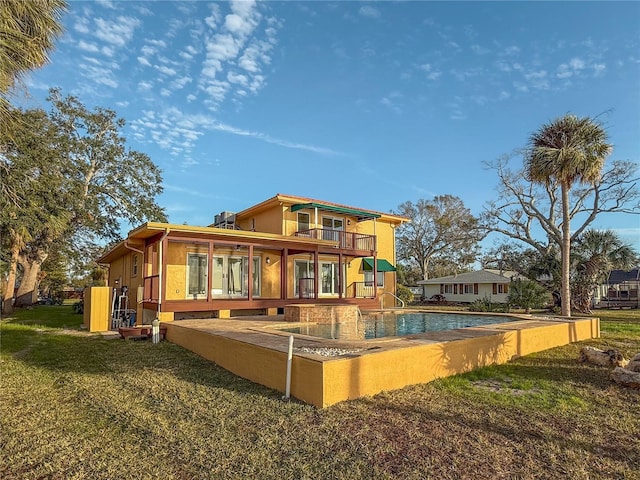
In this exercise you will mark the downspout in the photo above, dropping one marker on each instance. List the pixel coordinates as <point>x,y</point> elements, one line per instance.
<point>129,247</point>
<point>160,261</point>
<point>138,299</point>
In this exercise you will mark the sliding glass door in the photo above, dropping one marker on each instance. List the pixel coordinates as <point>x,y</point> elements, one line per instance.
<point>231,276</point>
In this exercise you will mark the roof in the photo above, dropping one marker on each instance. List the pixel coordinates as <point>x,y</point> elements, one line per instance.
<point>137,236</point>
<point>620,276</point>
<point>480,276</point>
<point>360,213</point>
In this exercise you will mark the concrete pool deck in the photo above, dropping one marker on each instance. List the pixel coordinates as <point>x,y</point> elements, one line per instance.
<point>253,348</point>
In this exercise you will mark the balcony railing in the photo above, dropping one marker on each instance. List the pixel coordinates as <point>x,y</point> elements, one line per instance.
<point>348,240</point>
<point>364,290</point>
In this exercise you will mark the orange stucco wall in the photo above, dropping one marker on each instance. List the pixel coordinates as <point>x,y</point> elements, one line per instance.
<point>324,381</point>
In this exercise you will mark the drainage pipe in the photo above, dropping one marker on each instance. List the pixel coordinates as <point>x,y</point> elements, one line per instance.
<point>287,391</point>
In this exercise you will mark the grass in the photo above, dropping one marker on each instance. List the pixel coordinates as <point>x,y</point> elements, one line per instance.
<point>76,405</point>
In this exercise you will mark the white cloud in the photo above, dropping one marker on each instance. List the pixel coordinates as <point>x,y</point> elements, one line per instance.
<point>88,47</point>
<point>144,61</point>
<point>478,50</point>
<point>99,73</point>
<point>145,85</point>
<point>369,11</point>
<point>117,32</point>
<point>180,82</point>
<point>598,68</point>
<point>166,70</point>
<point>82,25</point>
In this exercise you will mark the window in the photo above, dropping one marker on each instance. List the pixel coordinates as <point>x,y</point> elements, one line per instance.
<point>196,275</point>
<point>468,288</point>
<point>134,266</point>
<point>503,288</point>
<point>368,278</point>
<point>303,221</point>
<point>448,288</point>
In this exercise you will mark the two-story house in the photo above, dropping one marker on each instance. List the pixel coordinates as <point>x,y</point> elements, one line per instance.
<point>285,250</point>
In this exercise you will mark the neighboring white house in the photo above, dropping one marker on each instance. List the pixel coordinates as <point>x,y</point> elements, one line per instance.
<point>469,287</point>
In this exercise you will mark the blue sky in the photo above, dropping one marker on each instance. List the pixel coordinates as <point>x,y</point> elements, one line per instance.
<point>368,104</point>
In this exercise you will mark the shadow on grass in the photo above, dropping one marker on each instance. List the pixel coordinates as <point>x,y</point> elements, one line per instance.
<point>84,353</point>
<point>508,424</point>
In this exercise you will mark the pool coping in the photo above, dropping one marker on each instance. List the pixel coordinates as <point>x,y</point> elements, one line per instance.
<point>253,348</point>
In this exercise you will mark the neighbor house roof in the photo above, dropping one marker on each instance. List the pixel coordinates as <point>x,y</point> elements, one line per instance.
<point>619,276</point>
<point>479,276</point>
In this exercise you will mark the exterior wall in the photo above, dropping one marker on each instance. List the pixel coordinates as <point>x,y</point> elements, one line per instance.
<point>267,221</point>
<point>484,290</point>
<point>176,278</point>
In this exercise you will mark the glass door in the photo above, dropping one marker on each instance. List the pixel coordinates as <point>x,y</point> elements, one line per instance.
<point>231,276</point>
<point>196,275</point>
<point>331,228</point>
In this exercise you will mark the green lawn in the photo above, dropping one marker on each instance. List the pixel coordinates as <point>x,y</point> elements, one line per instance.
<point>75,405</point>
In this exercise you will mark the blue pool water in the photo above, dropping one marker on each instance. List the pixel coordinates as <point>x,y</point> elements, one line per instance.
<point>396,325</point>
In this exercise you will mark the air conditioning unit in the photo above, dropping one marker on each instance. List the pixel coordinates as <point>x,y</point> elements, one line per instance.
<point>224,218</point>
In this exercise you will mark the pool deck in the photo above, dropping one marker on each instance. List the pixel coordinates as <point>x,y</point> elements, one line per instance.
<point>253,348</point>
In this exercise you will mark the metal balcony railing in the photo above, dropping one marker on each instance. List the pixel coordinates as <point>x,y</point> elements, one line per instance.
<point>347,240</point>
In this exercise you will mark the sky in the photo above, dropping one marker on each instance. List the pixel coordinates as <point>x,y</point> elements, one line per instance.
<point>368,104</point>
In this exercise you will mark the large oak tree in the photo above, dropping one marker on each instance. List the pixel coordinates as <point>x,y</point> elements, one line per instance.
<point>71,181</point>
<point>441,230</point>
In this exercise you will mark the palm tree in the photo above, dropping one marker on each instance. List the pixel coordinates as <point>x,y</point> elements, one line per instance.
<point>28,29</point>
<point>566,151</point>
<point>595,254</point>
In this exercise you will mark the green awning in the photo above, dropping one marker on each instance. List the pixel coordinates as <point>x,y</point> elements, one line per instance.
<point>383,265</point>
<point>359,214</point>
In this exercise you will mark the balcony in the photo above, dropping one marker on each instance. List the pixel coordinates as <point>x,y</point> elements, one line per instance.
<point>346,240</point>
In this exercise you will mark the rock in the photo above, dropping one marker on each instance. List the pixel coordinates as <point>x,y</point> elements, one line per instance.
<point>606,358</point>
<point>626,377</point>
<point>634,364</point>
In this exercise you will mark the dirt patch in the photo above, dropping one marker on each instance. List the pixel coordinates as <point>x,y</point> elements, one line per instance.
<point>503,386</point>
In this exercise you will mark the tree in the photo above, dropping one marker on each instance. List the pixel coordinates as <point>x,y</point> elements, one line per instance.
<point>28,29</point>
<point>76,182</point>
<point>566,151</point>
<point>595,254</point>
<point>527,294</point>
<point>441,229</point>
<point>531,212</point>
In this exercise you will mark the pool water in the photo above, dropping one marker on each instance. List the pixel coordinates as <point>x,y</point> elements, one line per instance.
<point>396,325</point>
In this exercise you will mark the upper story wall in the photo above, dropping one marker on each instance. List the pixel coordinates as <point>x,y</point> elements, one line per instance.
<point>275,216</point>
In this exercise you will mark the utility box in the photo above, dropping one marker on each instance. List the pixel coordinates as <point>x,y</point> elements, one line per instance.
<point>97,308</point>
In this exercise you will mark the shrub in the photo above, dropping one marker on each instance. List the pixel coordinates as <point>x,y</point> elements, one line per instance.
<point>486,305</point>
<point>527,294</point>
<point>404,294</point>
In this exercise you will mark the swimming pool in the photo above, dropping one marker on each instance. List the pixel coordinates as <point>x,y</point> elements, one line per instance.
<point>396,325</point>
